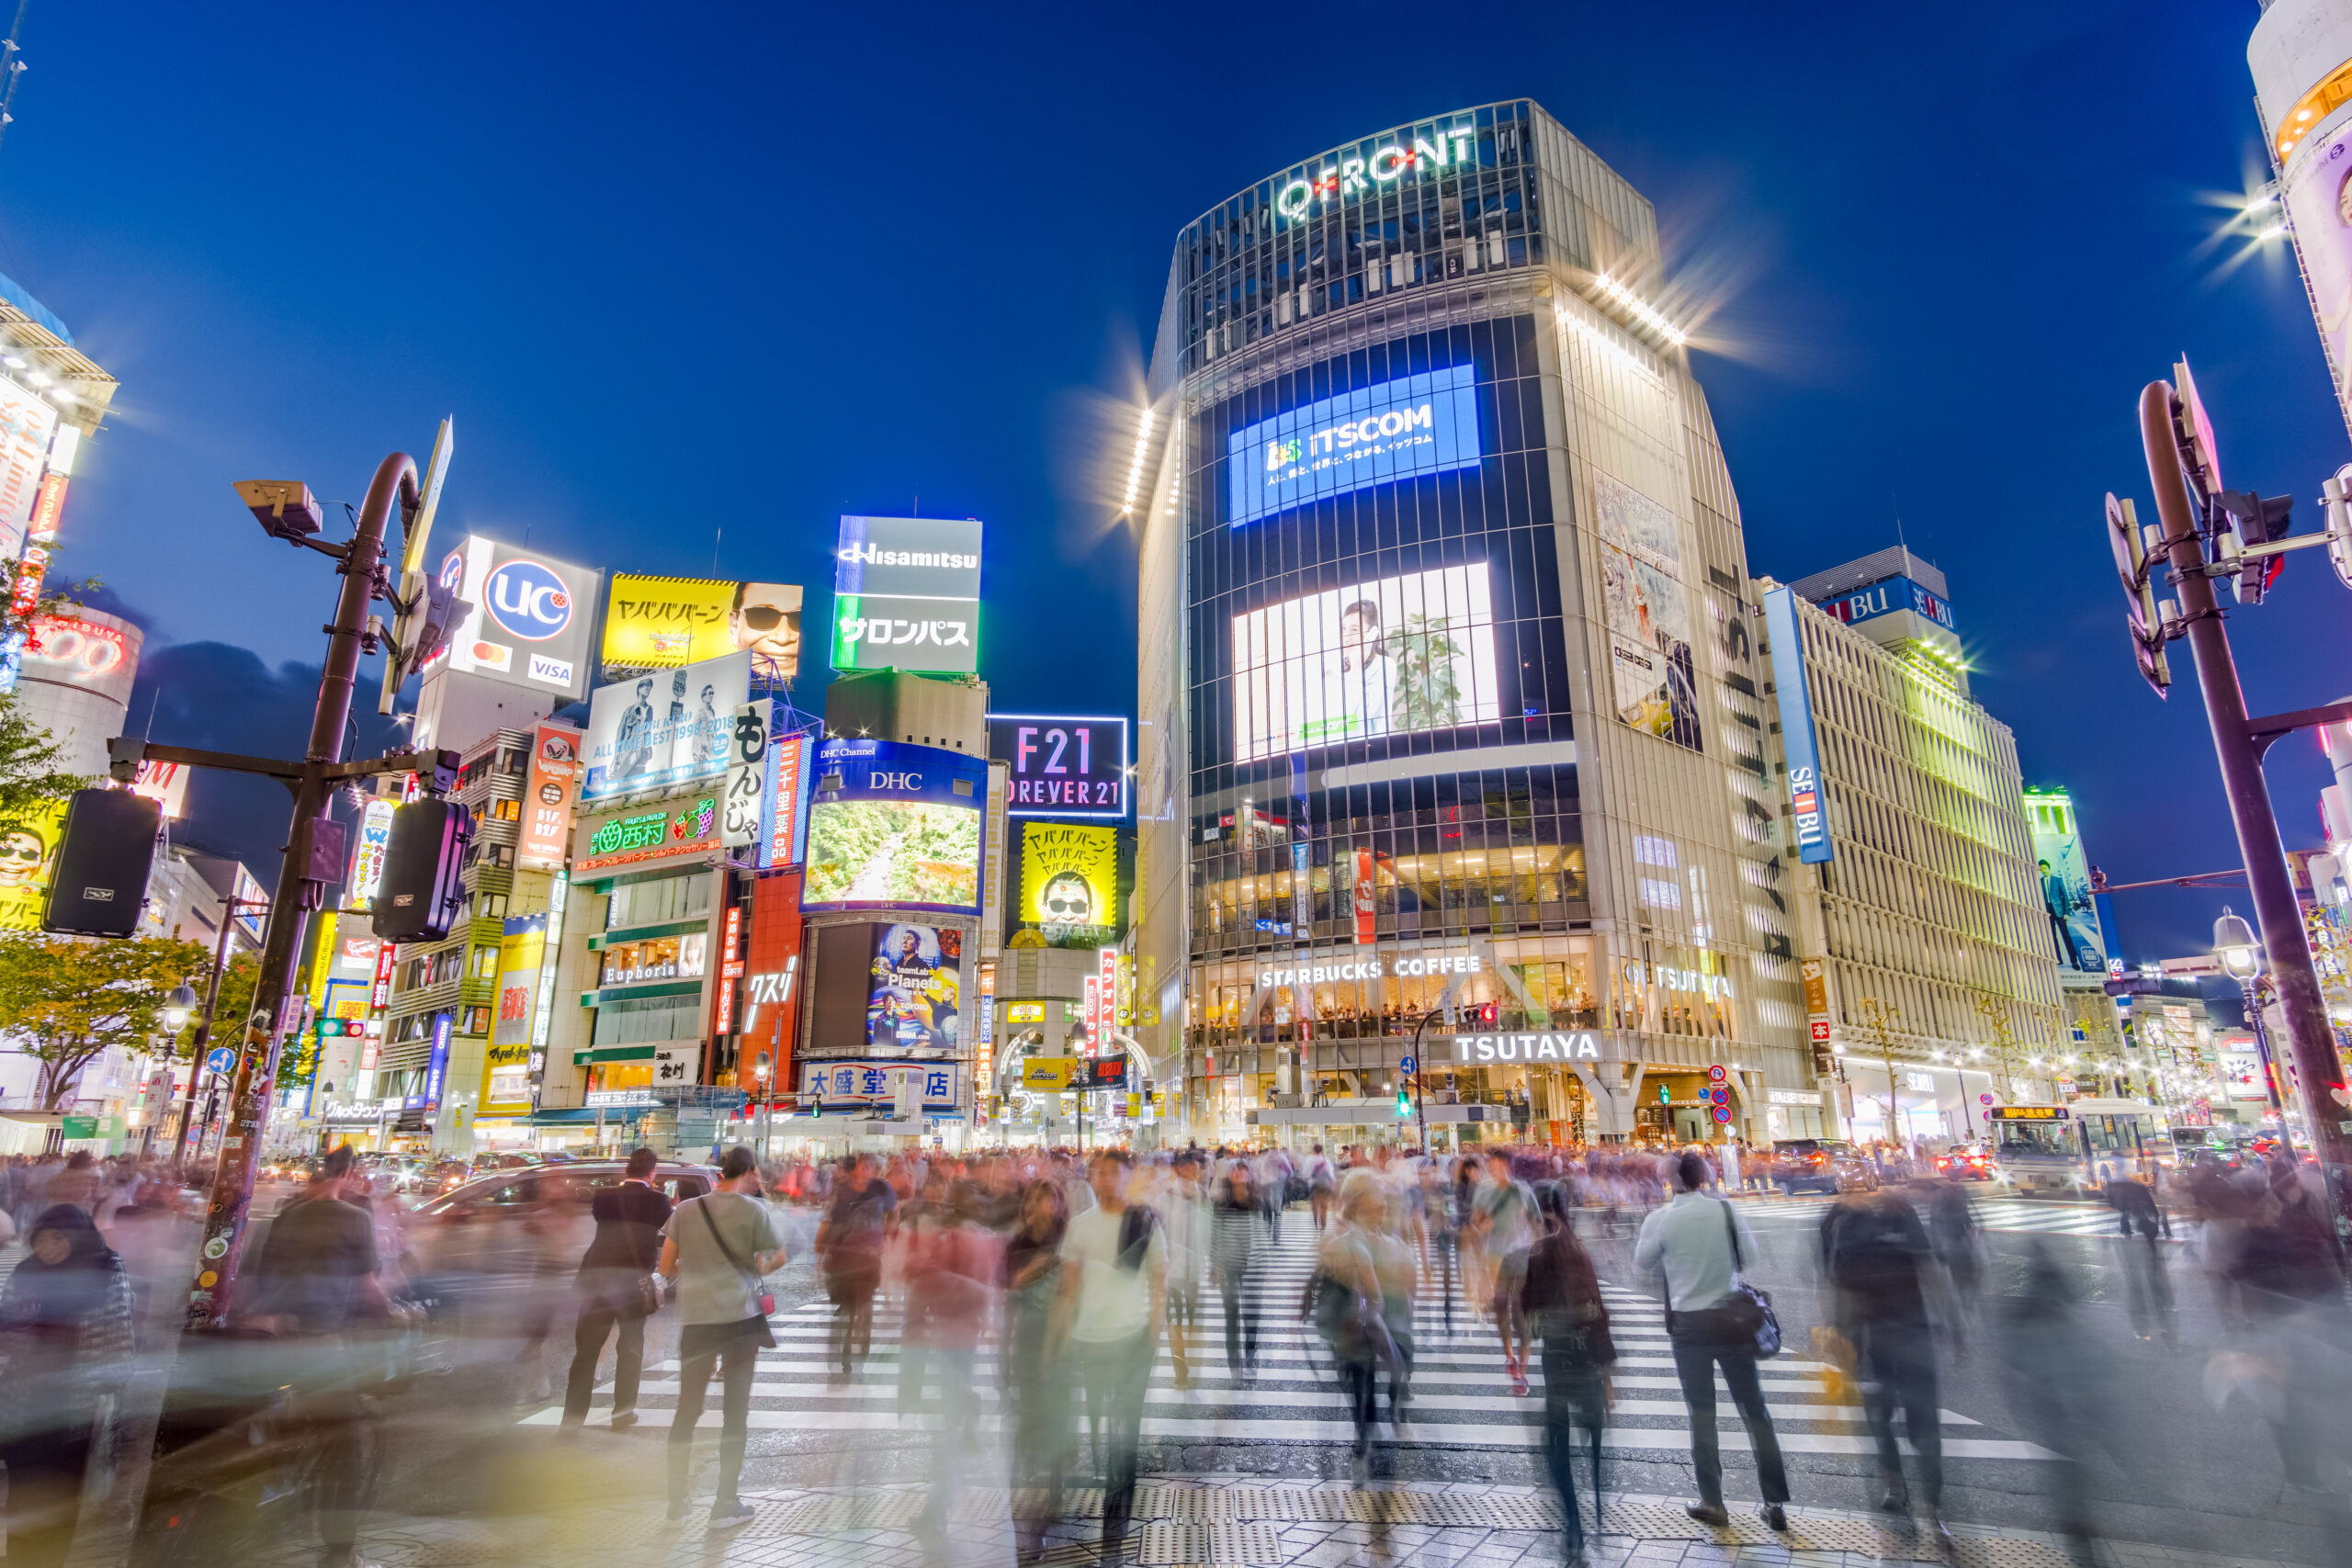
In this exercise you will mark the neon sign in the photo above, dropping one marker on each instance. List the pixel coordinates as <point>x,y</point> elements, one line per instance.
<point>1351,177</point>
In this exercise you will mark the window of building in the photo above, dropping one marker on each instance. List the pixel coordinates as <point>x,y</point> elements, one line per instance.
<point>657,958</point>
<point>664,898</point>
<point>648,1023</point>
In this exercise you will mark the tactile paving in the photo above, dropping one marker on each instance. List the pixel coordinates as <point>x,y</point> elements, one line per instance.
<point>1168,1543</point>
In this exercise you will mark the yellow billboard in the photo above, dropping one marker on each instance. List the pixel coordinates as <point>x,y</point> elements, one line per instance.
<point>28,856</point>
<point>1047,1073</point>
<point>660,623</point>
<point>1070,885</point>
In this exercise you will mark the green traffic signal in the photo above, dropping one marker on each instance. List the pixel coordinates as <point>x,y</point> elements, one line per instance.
<point>1404,1106</point>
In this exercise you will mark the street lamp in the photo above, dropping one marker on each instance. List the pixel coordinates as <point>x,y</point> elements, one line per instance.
<point>759,1076</point>
<point>179,1006</point>
<point>2241,955</point>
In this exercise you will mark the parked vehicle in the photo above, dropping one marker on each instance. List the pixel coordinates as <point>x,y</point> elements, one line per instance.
<point>1821,1165</point>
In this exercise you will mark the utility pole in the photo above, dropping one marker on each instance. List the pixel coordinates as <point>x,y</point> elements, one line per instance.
<point>1879,1021</point>
<point>2179,443</point>
<point>229,908</point>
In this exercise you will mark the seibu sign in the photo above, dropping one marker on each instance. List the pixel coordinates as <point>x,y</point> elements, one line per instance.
<point>1582,1047</point>
<point>1372,969</point>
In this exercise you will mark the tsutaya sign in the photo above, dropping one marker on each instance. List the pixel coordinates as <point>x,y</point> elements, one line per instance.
<point>1372,969</point>
<point>1347,178</point>
<point>1582,1047</point>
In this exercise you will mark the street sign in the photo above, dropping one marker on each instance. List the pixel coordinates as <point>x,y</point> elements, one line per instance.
<point>1821,1029</point>
<point>1716,1074</point>
<point>79,1127</point>
<point>220,1059</point>
<point>1984,1099</point>
<point>1407,1064</point>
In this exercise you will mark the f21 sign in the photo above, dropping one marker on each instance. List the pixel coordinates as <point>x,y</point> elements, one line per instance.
<point>1064,767</point>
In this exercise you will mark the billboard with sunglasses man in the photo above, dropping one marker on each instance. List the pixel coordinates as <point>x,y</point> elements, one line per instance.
<point>659,622</point>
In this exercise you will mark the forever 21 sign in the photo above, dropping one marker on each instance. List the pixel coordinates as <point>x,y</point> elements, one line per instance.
<point>1067,767</point>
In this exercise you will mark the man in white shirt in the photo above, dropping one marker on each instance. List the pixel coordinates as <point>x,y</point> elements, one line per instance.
<point>1700,1241</point>
<point>1114,1303</point>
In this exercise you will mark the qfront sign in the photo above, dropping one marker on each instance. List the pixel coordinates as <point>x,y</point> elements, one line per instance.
<point>1582,1048</point>
<point>1346,176</point>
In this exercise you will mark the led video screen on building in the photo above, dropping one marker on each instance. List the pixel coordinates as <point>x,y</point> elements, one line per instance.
<point>1395,655</point>
<point>669,728</point>
<point>895,825</point>
<point>1417,424</point>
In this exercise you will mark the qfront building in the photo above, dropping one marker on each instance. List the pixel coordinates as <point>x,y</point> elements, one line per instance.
<point>1453,739</point>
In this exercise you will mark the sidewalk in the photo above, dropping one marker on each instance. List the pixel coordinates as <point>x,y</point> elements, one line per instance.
<point>1207,1519</point>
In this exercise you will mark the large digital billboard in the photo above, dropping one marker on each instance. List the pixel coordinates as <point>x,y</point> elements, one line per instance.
<point>1061,766</point>
<point>1395,656</point>
<point>659,622</point>
<point>895,825</point>
<point>1412,426</point>
<point>914,997</point>
<point>2065,877</point>
<point>1648,613</point>
<point>668,728</point>
<point>531,615</point>
<point>907,594</point>
<point>1070,885</point>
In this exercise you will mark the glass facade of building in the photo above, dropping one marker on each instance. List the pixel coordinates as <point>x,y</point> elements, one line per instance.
<point>1426,499</point>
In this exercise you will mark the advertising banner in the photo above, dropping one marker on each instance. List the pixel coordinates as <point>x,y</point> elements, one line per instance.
<point>1415,424</point>
<point>891,824</point>
<point>2065,879</point>
<point>549,792</point>
<point>743,805</point>
<point>165,783</point>
<point>659,622</point>
<point>992,848</point>
<point>2319,211</point>
<point>1363,896</point>
<point>1070,885</point>
<point>367,855</point>
<point>1808,806</point>
<point>27,857</point>
<point>531,615</point>
<point>870,1082</point>
<point>26,422</point>
<point>84,652</point>
<point>506,1062</point>
<point>1061,767</point>
<point>636,838</point>
<point>907,594</point>
<point>915,1000</point>
<point>677,726</point>
<point>783,828</point>
<point>1648,613</point>
<point>1390,657</point>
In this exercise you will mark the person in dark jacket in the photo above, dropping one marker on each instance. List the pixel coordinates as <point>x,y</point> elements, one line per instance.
<point>1876,1260</point>
<point>2148,1287</point>
<point>1565,1308</point>
<point>616,1290</point>
<point>65,1322</point>
<point>1233,1257</point>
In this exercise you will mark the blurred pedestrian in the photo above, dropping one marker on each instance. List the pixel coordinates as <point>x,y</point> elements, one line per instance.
<point>1033,1383</point>
<point>1700,1244</point>
<point>65,1334</point>
<point>1571,1320</point>
<point>848,1250</point>
<point>718,1249</point>
<point>1504,1216</point>
<point>2147,1285</point>
<point>1183,1207</point>
<point>1342,1301</point>
<point>1876,1259</point>
<point>1233,1252</point>
<point>1113,1304</point>
<point>617,1290</point>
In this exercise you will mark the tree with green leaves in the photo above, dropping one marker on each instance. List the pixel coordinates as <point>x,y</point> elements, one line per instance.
<point>67,1002</point>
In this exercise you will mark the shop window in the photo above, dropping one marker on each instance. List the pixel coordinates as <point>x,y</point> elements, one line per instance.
<point>656,958</point>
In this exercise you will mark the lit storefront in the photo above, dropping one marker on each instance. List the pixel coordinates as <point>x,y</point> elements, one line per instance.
<point>1451,702</point>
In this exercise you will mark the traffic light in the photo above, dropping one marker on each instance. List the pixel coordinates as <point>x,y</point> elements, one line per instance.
<point>1404,1105</point>
<point>1485,1015</point>
<point>2143,618</point>
<point>103,861</point>
<point>417,898</point>
<point>2254,521</point>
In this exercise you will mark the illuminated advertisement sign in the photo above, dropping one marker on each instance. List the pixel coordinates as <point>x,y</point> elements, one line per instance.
<point>637,837</point>
<point>1885,597</point>
<point>863,1082</point>
<point>891,824</point>
<point>783,835</point>
<point>1647,612</point>
<point>1419,424</point>
<point>1808,808</point>
<point>670,728</point>
<point>2065,875</point>
<point>437,1066</point>
<point>907,594</point>
<point>27,857</point>
<point>1391,657</point>
<point>2319,214</point>
<point>743,803</point>
<point>1402,157</point>
<point>547,793</point>
<point>531,617</point>
<point>166,784</point>
<point>914,1000</point>
<point>26,422</point>
<point>90,651</point>
<point>1061,767</point>
<point>367,855</point>
<point>1070,885</point>
<point>659,623</point>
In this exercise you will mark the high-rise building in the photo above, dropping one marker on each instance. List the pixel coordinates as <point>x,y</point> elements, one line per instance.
<point>1930,965</point>
<point>2300,55</point>
<point>1451,742</point>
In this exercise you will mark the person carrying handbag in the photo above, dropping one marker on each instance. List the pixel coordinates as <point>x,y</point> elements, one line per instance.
<point>1714,1319</point>
<point>617,1290</point>
<point>717,1249</point>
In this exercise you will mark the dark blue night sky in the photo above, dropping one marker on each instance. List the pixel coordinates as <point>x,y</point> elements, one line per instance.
<point>696,278</point>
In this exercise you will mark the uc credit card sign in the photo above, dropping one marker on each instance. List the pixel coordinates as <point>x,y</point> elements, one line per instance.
<point>1426,423</point>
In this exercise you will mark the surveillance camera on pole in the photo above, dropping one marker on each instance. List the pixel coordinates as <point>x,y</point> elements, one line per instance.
<point>2144,616</point>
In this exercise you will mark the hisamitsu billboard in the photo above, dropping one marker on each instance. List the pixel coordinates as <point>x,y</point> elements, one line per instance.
<point>907,594</point>
<point>1415,424</point>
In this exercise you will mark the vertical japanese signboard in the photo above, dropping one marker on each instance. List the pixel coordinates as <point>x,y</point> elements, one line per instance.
<point>549,792</point>
<point>1362,897</point>
<point>742,807</point>
<point>784,832</point>
<point>1808,804</point>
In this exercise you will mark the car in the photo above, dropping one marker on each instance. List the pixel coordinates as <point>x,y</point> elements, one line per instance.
<point>1821,1165</point>
<point>1971,1162</point>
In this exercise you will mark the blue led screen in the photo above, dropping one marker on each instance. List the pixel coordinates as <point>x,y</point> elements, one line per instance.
<point>1413,426</point>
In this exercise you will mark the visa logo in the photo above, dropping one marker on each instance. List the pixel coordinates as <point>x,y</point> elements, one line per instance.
<point>553,671</point>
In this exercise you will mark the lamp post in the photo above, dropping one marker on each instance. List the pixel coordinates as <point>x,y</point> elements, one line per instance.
<point>760,1076</point>
<point>2241,955</point>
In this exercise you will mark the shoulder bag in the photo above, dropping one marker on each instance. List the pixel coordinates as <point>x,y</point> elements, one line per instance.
<point>1748,1315</point>
<point>768,1298</point>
